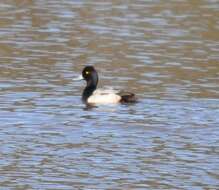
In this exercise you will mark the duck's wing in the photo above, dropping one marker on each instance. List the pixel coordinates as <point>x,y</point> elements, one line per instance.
<point>109,95</point>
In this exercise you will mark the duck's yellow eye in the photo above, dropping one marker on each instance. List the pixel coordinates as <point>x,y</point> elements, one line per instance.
<point>87,72</point>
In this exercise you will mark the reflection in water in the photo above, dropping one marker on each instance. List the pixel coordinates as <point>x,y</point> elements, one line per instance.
<point>166,52</point>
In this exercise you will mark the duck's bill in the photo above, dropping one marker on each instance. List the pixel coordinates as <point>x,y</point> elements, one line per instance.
<point>80,77</point>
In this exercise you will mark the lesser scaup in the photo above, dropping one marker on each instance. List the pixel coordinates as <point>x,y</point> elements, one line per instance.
<point>92,95</point>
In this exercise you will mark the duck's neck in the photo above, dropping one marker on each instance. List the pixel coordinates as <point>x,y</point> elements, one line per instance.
<point>89,89</point>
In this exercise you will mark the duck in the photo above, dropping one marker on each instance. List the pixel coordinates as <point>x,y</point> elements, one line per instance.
<point>92,96</point>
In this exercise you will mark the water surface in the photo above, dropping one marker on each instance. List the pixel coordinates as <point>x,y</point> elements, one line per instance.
<point>166,52</point>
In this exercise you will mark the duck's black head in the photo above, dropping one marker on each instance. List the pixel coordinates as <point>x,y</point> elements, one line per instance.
<point>90,75</point>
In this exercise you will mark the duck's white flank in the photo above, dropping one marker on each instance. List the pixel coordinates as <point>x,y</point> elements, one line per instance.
<point>101,96</point>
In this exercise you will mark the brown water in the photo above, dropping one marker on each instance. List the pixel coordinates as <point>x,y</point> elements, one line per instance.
<point>167,52</point>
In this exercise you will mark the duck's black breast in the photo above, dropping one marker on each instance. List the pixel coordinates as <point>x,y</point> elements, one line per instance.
<point>88,91</point>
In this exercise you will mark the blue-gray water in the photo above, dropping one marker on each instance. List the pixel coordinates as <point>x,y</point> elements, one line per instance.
<point>167,52</point>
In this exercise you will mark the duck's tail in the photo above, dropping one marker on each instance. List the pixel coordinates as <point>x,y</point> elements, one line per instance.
<point>127,97</point>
